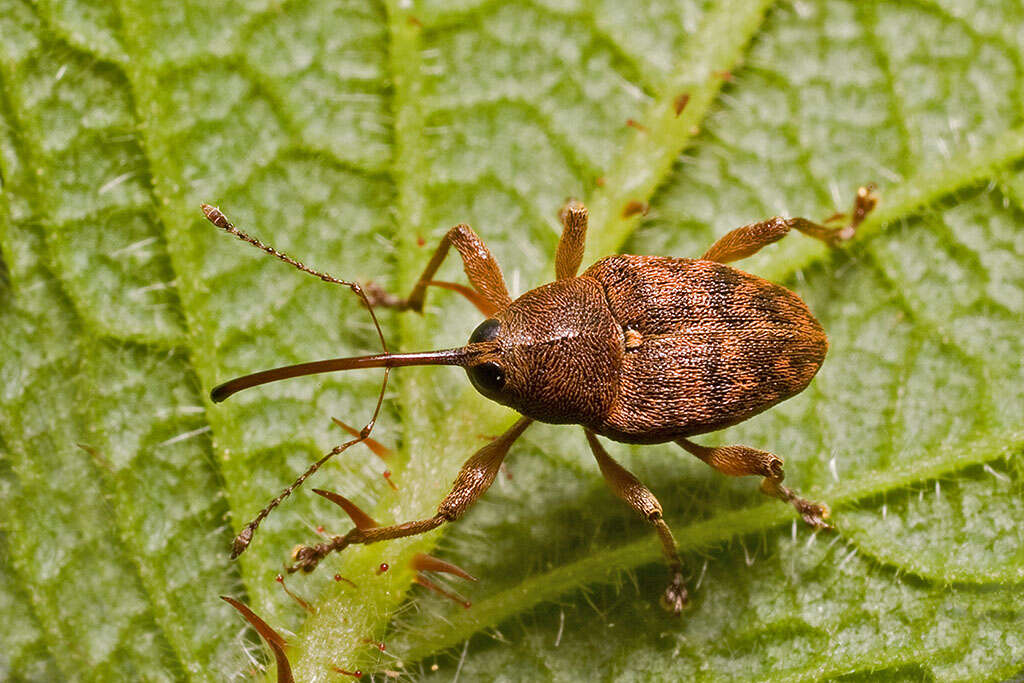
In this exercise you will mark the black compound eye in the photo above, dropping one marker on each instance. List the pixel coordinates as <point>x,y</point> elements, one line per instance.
<point>485,331</point>
<point>488,378</point>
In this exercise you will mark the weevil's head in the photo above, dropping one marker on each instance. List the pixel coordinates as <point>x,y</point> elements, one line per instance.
<point>553,354</point>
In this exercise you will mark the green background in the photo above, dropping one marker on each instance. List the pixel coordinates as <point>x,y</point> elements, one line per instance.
<point>352,135</point>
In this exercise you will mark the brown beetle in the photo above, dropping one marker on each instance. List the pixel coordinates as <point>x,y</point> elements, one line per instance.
<point>639,349</point>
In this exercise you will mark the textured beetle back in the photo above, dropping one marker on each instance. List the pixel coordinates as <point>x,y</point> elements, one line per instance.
<point>707,346</point>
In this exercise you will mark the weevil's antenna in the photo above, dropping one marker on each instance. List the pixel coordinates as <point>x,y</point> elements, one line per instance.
<point>215,216</point>
<point>244,538</point>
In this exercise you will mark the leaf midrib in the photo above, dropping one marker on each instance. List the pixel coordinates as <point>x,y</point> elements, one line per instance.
<point>313,644</point>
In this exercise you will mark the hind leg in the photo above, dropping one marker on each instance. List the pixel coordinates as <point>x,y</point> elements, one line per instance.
<point>739,461</point>
<point>749,239</point>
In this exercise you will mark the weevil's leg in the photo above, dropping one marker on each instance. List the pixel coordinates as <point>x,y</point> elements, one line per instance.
<point>475,477</point>
<point>739,461</point>
<point>481,269</point>
<point>572,241</point>
<point>474,297</point>
<point>639,497</point>
<point>749,239</point>
<point>815,514</point>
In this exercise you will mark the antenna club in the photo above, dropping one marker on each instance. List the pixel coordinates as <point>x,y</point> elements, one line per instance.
<point>242,541</point>
<point>215,216</point>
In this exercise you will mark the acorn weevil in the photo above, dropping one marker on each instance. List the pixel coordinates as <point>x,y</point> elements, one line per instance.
<point>638,349</point>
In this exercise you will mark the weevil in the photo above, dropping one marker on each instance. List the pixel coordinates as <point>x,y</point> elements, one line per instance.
<point>637,349</point>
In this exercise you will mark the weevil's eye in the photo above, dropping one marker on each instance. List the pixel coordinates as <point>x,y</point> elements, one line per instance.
<point>488,378</point>
<point>485,331</point>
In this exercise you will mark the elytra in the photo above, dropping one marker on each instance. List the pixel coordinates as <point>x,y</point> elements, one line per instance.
<point>638,349</point>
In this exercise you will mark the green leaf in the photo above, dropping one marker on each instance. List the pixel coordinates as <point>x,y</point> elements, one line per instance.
<point>353,135</point>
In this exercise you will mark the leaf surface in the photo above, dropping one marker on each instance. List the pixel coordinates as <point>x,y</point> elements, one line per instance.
<point>352,135</point>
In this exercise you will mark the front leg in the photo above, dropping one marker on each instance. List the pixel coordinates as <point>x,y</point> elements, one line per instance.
<point>489,293</point>
<point>749,239</point>
<point>475,477</point>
